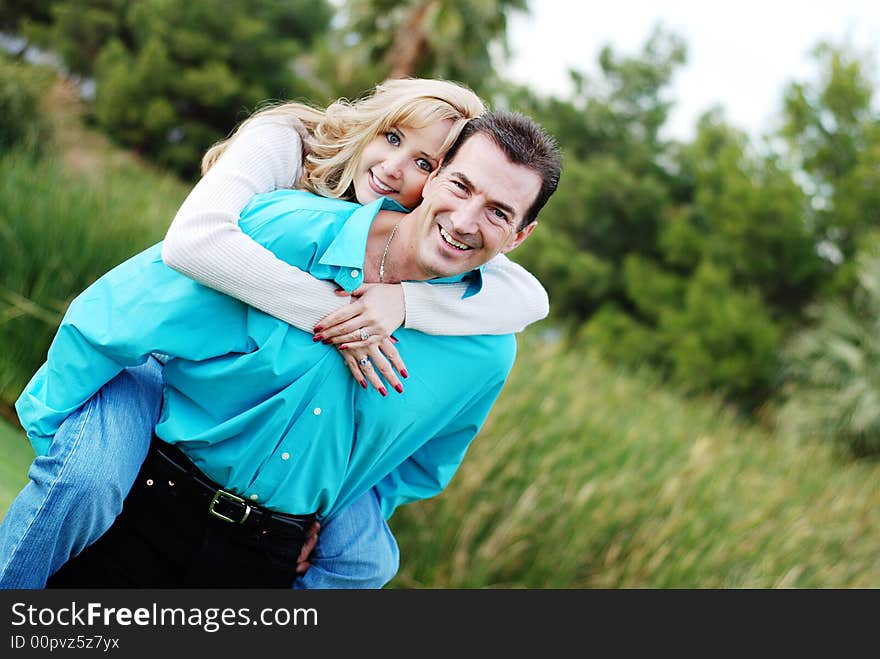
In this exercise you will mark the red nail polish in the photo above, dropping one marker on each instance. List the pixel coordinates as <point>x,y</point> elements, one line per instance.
<point>404,373</point>
<point>318,328</point>
<point>383,391</point>
<point>317,338</point>
<point>326,342</point>
<point>343,347</point>
<point>399,388</point>
<point>364,384</point>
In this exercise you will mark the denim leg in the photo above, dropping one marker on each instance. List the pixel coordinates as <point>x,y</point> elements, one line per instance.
<point>355,549</point>
<point>76,491</point>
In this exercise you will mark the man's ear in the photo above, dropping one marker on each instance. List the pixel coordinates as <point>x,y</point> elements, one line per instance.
<point>520,236</point>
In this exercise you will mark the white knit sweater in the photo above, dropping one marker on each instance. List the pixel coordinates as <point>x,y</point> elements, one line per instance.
<point>205,243</point>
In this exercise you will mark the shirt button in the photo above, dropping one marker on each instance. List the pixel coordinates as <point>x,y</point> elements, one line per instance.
<point>355,273</point>
<point>317,411</point>
<point>254,497</point>
<point>285,456</point>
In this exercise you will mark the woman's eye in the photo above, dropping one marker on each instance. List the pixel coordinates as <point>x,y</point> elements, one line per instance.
<point>421,163</point>
<point>393,139</point>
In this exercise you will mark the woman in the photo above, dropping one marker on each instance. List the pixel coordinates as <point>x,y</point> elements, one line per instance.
<point>358,151</point>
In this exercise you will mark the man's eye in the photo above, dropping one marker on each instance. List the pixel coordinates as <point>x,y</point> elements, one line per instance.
<point>459,184</point>
<point>393,139</point>
<point>499,214</point>
<point>421,163</point>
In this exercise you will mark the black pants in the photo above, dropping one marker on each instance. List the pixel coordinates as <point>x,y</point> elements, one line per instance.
<point>166,538</point>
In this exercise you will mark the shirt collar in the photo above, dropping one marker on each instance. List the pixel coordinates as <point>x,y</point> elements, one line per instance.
<point>347,250</point>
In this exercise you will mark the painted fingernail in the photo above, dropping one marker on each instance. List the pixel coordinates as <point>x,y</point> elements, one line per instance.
<point>404,373</point>
<point>399,388</point>
<point>343,347</point>
<point>383,391</point>
<point>318,328</point>
<point>317,338</point>
<point>364,384</point>
<point>326,341</point>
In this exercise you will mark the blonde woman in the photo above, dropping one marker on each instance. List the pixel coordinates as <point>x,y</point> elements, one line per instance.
<point>380,145</point>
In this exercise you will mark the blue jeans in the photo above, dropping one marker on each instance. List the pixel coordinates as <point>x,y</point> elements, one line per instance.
<point>77,490</point>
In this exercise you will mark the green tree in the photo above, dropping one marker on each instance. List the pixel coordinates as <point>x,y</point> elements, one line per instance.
<point>832,368</point>
<point>833,130</point>
<point>692,258</point>
<point>21,89</point>
<point>172,78</point>
<point>453,39</point>
<point>14,13</point>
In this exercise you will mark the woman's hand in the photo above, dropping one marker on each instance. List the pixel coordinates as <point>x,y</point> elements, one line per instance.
<point>364,362</point>
<point>362,331</point>
<point>376,310</point>
<point>303,561</point>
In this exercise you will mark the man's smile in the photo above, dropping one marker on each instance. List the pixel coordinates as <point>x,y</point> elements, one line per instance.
<point>449,240</point>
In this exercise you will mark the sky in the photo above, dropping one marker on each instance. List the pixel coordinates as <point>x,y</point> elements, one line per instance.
<point>740,55</point>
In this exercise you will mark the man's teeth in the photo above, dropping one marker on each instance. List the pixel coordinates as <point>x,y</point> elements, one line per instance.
<point>452,241</point>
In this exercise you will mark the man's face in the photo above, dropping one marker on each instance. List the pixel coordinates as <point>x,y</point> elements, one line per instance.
<point>473,208</point>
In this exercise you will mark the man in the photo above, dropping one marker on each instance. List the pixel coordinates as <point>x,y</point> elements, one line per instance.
<point>262,429</point>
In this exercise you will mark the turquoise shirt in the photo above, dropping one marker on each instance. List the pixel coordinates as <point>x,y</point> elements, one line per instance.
<point>254,402</point>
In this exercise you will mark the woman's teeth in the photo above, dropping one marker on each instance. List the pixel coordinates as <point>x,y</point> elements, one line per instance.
<point>381,186</point>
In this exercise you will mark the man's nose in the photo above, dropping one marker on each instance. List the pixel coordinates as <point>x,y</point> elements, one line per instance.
<point>466,217</point>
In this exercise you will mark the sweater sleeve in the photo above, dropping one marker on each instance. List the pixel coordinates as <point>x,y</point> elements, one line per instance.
<point>205,243</point>
<point>511,299</point>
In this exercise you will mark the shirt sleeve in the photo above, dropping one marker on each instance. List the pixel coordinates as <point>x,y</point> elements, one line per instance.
<point>205,242</point>
<point>118,322</point>
<point>428,471</point>
<point>511,298</point>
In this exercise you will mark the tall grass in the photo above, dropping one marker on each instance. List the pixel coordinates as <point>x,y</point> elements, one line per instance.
<point>60,229</point>
<point>585,477</point>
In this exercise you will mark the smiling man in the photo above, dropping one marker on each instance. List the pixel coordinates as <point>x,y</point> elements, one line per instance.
<point>265,425</point>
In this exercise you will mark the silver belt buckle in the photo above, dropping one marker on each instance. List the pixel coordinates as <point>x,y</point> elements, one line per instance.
<point>223,494</point>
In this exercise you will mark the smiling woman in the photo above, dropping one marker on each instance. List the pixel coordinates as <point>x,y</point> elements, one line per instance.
<point>397,163</point>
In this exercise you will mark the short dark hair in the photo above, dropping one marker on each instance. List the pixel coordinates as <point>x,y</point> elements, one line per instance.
<point>524,142</point>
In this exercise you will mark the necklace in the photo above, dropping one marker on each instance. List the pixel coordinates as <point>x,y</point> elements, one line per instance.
<point>385,253</point>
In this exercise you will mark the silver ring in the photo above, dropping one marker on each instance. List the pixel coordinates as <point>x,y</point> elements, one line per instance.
<point>364,334</point>
<point>364,362</point>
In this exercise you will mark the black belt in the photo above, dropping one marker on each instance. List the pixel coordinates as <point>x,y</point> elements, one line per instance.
<point>182,474</point>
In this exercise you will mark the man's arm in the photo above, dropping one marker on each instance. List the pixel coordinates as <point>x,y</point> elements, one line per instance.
<point>139,307</point>
<point>428,471</point>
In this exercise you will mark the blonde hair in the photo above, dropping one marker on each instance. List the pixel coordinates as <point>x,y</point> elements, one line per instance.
<point>335,138</point>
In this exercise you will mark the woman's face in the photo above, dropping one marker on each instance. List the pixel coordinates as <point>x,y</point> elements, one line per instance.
<point>396,163</point>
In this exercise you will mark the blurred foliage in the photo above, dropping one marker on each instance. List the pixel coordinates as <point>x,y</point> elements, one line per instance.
<point>14,14</point>
<point>172,78</point>
<point>636,486</point>
<point>22,89</point>
<point>833,130</point>
<point>833,367</point>
<point>60,230</point>
<point>451,39</point>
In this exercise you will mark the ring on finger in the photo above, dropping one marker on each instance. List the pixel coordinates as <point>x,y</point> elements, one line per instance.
<point>364,362</point>
<point>363,333</point>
